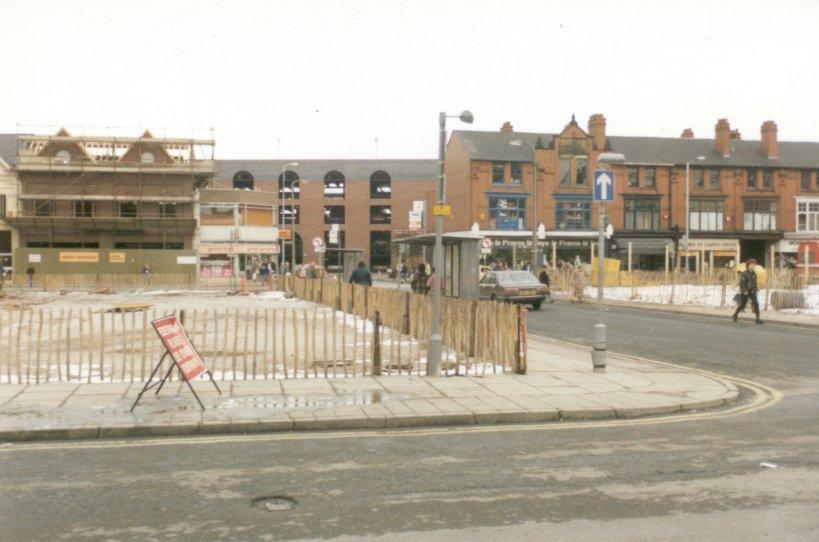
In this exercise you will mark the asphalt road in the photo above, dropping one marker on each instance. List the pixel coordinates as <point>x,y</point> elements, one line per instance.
<point>700,479</point>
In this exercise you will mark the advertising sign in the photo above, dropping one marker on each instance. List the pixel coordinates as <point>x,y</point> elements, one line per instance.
<point>79,257</point>
<point>416,221</point>
<point>116,257</point>
<point>179,346</point>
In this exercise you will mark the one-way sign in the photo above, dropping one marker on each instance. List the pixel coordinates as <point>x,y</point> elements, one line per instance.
<point>603,185</point>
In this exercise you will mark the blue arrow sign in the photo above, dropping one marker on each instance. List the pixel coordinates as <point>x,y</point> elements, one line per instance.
<point>603,185</point>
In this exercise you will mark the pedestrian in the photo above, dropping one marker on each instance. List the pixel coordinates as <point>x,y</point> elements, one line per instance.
<point>361,275</point>
<point>431,281</point>
<point>146,274</point>
<point>419,281</point>
<point>578,285</point>
<point>748,290</point>
<point>265,273</point>
<point>30,273</point>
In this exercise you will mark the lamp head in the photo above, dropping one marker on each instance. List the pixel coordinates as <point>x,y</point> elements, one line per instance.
<point>466,117</point>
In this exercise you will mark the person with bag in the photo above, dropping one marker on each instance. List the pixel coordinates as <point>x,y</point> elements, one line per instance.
<point>747,290</point>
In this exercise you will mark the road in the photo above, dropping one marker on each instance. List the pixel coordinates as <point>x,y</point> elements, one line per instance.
<point>699,479</point>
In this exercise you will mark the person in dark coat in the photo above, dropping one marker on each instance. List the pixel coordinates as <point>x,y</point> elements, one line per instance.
<point>544,276</point>
<point>419,281</point>
<point>361,275</point>
<point>747,290</point>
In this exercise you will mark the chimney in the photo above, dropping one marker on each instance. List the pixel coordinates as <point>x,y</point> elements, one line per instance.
<point>770,147</point>
<point>507,128</point>
<point>722,137</point>
<point>597,131</point>
<point>688,133</point>
<point>735,135</point>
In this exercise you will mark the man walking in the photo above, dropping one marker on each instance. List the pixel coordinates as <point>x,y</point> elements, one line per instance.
<point>361,275</point>
<point>747,290</point>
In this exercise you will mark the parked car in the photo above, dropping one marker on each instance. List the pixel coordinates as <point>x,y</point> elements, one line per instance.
<point>513,287</point>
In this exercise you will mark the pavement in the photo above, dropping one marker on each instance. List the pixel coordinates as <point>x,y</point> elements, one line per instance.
<point>559,385</point>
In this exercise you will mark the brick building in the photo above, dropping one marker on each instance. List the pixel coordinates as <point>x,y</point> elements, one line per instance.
<point>747,198</point>
<point>369,200</point>
<point>8,200</point>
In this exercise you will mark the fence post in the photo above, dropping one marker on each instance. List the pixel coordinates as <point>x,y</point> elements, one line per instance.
<point>376,339</point>
<point>405,327</point>
<point>473,337</point>
<point>520,343</point>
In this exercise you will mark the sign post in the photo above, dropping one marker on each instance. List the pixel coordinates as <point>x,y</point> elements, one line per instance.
<point>603,192</point>
<point>183,353</point>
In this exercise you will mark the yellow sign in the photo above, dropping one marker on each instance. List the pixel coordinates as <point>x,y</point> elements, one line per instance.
<point>286,234</point>
<point>79,257</point>
<point>442,210</point>
<point>116,257</point>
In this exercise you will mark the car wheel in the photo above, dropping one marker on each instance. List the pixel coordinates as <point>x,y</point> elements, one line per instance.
<point>536,305</point>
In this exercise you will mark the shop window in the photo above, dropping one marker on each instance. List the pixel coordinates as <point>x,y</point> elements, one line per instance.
<point>713,179</point>
<point>573,214</point>
<point>243,181</point>
<point>759,215</point>
<point>706,215</point>
<point>516,173</point>
<point>498,172</point>
<point>83,209</point>
<point>507,211</point>
<point>699,177</point>
<point>334,185</point>
<point>334,214</point>
<point>650,177</point>
<point>43,207</point>
<point>380,185</point>
<point>807,216</point>
<point>128,209</point>
<point>288,214</point>
<point>380,214</point>
<point>167,210</point>
<point>767,179</point>
<point>642,214</point>
<point>289,188</point>
<point>379,250</point>
<point>633,177</point>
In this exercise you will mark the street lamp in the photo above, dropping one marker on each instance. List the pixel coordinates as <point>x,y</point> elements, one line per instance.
<point>536,202</point>
<point>435,341</point>
<point>599,351</point>
<point>688,204</point>
<point>292,219</point>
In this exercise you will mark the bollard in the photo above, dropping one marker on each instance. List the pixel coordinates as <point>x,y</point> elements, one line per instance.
<point>377,344</point>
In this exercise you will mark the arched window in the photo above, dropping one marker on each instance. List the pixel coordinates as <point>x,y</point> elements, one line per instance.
<point>289,189</point>
<point>380,185</point>
<point>334,185</point>
<point>147,158</point>
<point>243,181</point>
<point>63,157</point>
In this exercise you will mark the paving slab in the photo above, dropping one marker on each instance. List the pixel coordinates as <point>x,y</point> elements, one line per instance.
<point>559,385</point>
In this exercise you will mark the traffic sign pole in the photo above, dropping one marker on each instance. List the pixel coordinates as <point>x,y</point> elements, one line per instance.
<point>603,192</point>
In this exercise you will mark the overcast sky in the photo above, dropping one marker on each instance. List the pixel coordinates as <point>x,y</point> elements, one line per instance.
<point>318,79</point>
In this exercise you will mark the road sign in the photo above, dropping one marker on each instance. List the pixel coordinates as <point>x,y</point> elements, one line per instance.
<point>603,185</point>
<point>442,210</point>
<point>318,244</point>
<point>286,235</point>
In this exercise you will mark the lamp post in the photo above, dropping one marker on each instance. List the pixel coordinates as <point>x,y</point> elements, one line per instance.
<point>292,219</point>
<point>599,350</point>
<point>688,205</point>
<point>435,340</point>
<point>536,201</point>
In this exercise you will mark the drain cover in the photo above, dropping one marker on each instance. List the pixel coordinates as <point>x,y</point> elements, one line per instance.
<point>274,504</point>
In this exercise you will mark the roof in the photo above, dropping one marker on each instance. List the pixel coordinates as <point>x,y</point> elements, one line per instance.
<point>496,145</point>
<point>649,150</point>
<point>353,170</point>
<point>8,148</point>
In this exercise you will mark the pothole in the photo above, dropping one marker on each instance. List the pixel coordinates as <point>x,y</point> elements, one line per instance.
<point>277,503</point>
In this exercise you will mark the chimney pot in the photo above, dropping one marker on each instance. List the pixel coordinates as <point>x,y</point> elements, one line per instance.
<point>769,145</point>
<point>507,128</point>
<point>736,135</point>
<point>597,131</point>
<point>722,137</point>
<point>688,133</point>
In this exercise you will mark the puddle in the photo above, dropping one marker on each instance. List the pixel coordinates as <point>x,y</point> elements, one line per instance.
<point>357,397</point>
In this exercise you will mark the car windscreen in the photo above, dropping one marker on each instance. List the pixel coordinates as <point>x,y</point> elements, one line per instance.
<point>517,278</point>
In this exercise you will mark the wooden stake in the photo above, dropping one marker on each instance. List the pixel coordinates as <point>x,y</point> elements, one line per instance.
<point>69,321</point>
<point>59,346</point>
<point>295,343</point>
<point>39,342</point>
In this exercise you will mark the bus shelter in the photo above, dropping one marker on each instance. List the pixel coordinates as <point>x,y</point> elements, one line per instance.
<point>462,252</point>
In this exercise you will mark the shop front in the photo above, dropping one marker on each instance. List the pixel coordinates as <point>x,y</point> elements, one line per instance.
<point>225,260</point>
<point>644,253</point>
<point>711,254</point>
<point>514,249</point>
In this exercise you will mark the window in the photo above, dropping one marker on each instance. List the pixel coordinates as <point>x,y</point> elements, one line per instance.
<point>698,175</point>
<point>565,171</point>
<point>581,172</point>
<point>334,214</point>
<point>243,181</point>
<point>333,258</point>
<point>380,185</point>
<point>516,176</point>
<point>706,215</point>
<point>380,214</point>
<point>751,179</point>
<point>507,211</point>
<point>63,157</point>
<point>127,209</point>
<point>767,179</point>
<point>167,210</point>
<point>633,177</point>
<point>650,179</point>
<point>713,179</point>
<point>760,214</point>
<point>334,185</point>
<point>573,214</point>
<point>288,214</point>
<point>642,214</point>
<point>217,215</point>
<point>379,249</point>
<point>289,187</point>
<point>807,216</point>
<point>146,158</point>
<point>805,181</point>
<point>498,172</point>
<point>43,207</point>
<point>83,209</point>
<point>2,205</point>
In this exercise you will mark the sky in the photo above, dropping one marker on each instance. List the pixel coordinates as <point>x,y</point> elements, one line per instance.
<point>367,78</point>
